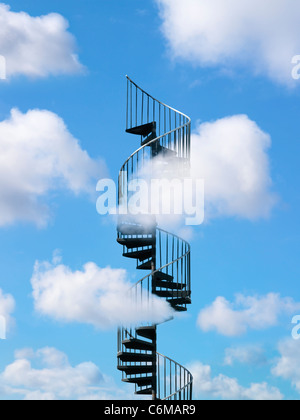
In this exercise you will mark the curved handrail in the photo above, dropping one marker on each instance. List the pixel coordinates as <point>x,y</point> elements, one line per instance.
<point>152,141</point>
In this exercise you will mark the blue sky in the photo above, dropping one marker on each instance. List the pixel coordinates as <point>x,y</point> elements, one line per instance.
<point>248,249</point>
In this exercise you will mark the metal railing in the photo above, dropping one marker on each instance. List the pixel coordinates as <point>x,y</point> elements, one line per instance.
<point>172,254</point>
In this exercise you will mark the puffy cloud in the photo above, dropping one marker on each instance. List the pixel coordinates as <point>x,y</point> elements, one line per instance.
<point>55,378</point>
<point>251,355</point>
<point>227,388</point>
<point>288,365</point>
<point>261,35</point>
<point>234,319</point>
<point>7,307</point>
<point>37,46</point>
<point>96,296</point>
<point>39,155</point>
<point>230,154</point>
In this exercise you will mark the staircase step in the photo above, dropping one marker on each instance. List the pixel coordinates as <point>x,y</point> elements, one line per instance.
<point>179,308</point>
<point>142,130</point>
<point>141,255</point>
<point>136,229</point>
<point>128,357</point>
<point>146,391</point>
<point>159,275</point>
<point>135,344</point>
<point>146,332</point>
<point>148,139</point>
<point>141,381</point>
<point>180,301</point>
<point>146,266</point>
<point>169,285</point>
<point>136,370</point>
<point>132,243</point>
<point>174,294</point>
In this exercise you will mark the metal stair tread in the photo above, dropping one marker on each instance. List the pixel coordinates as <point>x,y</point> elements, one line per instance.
<point>179,301</point>
<point>141,381</point>
<point>136,370</point>
<point>146,332</point>
<point>179,294</point>
<point>136,344</point>
<point>163,276</point>
<point>128,357</point>
<point>146,266</point>
<point>141,255</point>
<point>146,391</point>
<point>169,285</point>
<point>132,243</point>
<point>142,130</point>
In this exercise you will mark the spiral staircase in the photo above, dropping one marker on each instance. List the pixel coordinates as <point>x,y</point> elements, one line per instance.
<point>165,139</point>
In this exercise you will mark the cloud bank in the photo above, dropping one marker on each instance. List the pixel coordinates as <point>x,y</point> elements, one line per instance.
<point>231,155</point>
<point>260,35</point>
<point>39,155</point>
<point>37,46</point>
<point>94,295</point>
<point>54,378</point>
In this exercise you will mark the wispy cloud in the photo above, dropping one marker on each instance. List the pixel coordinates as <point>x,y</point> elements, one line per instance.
<point>227,388</point>
<point>47,374</point>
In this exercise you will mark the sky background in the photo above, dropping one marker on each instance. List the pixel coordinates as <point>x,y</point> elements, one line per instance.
<point>228,68</point>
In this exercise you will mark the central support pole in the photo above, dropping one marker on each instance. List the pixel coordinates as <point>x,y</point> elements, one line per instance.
<point>153,269</point>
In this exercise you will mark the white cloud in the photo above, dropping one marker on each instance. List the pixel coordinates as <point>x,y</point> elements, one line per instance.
<point>288,365</point>
<point>263,35</point>
<point>7,307</point>
<point>230,154</point>
<point>255,312</point>
<point>227,388</point>
<point>96,296</point>
<point>37,46</point>
<point>55,378</point>
<point>251,355</point>
<point>39,155</point>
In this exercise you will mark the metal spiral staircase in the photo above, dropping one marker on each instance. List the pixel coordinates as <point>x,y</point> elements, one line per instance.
<point>165,138</point>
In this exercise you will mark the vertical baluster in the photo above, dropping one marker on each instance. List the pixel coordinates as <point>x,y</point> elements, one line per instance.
<point>142,118</point>
<point>170,366</point>
<point>158,376</point>
<point>176,388</point>
<point>136,106</point>
<point>170,128</point>
<point>159,119</point>
<point>165,378</point>
<point>148,109</point>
